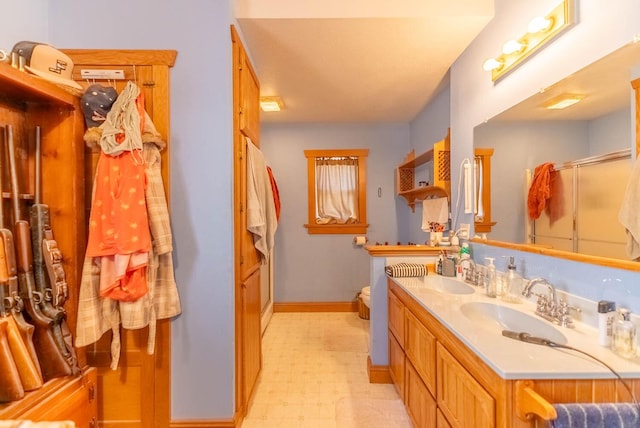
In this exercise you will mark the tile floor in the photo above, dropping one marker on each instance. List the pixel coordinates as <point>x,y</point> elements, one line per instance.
<point>314,375</point>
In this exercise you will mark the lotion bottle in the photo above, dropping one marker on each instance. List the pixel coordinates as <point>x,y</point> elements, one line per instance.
<point>623,340</point>
<point>490,279</point>
<point>606,318</point>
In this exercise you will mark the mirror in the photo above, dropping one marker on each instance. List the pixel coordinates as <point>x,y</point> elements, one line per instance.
<point>581,141</point>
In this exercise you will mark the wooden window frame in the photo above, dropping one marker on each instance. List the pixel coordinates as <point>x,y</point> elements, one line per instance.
<point>353,228</point>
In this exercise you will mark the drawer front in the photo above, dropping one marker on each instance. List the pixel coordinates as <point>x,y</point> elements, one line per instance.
<point>421,406</point>
<point>420,347</point>
<point>396,318</point>
<point>396,365</point>
<point>463,401</point>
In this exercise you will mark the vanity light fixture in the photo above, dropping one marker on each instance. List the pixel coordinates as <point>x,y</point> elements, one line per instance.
<point>563,101</point>
<point>541,30</point>
<point>269,104</point>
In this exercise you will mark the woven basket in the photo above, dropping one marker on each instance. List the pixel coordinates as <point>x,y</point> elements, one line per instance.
<point>363,310</point>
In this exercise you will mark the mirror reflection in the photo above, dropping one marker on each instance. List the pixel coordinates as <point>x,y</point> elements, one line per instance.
<point>589,146</point>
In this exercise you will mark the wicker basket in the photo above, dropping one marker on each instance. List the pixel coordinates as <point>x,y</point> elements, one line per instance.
<point>363,310</point>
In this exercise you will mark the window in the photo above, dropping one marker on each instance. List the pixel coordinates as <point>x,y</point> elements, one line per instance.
<point>337,191</point>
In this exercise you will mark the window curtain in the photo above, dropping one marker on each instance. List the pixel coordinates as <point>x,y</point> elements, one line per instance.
<point>336,190</point>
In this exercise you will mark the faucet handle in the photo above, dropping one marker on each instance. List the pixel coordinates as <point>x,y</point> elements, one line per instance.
<point>564,313</point>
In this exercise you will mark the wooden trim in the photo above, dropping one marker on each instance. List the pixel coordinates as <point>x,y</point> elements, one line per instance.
<point>203,423</point>
<point>336,229</point>
<point>635,84</point>
<point>378,374</point>
<point>316,307</point>
<point>583,258</point>
<point>30,88</point>
<point>122,57</point>
<point>361,226</point>
<point>407,250</point>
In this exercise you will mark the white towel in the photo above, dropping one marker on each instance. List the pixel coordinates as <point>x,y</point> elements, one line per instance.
<point>629,214</point>
<point>261,210</point>
<point>435,210</point>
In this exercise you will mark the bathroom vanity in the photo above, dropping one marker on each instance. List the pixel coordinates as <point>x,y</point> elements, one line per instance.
<point>453,367</point>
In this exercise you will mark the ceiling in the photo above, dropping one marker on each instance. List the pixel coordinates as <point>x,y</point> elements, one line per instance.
<point>359,69</point>
<point>605,84</point>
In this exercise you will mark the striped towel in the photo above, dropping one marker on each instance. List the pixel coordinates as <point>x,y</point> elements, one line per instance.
<point>597,415</point>
<point>406,269</point>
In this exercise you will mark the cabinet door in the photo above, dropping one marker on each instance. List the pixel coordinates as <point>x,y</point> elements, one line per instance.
<point>251,337</point>
<point>249,100</point>
<point>396,365</point>
<point>396,318</point>
<point>463,401</point>
<point>441,421</point>
<point>421,406</point>
<point>420,346</point>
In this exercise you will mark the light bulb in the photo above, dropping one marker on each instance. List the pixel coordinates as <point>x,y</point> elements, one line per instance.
<point>492,64</point>
<point>539,24</point>
<point>512,46</point>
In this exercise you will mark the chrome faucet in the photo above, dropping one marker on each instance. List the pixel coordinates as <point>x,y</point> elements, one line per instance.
<point>469,273</point>
<point>547,306</point>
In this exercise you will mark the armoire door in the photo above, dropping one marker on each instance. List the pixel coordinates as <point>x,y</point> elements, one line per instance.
<point>137,393</point>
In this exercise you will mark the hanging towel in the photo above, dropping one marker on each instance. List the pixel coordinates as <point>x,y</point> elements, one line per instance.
<point>435,214</point>
<point>261,211</point>
<point>596,415</point>
<point>629,215</point>
<point>540,190</point>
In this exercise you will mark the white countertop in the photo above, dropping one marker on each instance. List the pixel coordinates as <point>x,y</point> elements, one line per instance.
<point>513,359</point>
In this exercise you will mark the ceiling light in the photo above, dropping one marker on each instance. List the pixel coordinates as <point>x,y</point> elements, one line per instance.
<point>271,103</point>
<point>512,46</point>
<point>563,101</point>
<point>539,24</point>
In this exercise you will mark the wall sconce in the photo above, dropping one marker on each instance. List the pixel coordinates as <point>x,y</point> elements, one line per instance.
<point>271,103</point>
<point>540,31</point>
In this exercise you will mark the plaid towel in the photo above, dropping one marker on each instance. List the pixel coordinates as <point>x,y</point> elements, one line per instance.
<point>406,269</point>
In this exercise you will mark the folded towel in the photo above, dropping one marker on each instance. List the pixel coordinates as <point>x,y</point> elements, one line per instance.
<point>406,269</point>
<point>597,415</point>
<point>435,214</point>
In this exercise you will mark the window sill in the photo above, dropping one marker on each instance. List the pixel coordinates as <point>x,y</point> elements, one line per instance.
<point>336,229</point>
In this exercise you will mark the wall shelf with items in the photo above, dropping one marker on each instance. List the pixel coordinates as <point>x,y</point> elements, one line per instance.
<point>438,186</point>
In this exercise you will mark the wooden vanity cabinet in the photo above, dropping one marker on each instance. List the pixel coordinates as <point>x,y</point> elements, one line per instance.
<point>26,102</point>
<point>396,343</point>
<point>445,384</point>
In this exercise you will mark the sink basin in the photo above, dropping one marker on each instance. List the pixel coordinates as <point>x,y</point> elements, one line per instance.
<point>498,318</point>
<point>448,285</point>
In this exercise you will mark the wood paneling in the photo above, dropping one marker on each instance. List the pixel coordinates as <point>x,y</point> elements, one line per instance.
<point>421,406</point>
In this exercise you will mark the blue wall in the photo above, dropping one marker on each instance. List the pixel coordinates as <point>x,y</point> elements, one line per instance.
<point>321,268</point>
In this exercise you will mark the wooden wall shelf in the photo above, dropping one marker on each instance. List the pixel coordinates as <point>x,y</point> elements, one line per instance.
<point>19,86</point>
<point>440,182</point>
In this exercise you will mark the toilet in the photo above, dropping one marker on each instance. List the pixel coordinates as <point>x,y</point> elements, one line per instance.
<point>364,302</point>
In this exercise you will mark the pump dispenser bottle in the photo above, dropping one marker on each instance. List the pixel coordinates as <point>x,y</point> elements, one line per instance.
<point>490,279</point>
<point>624,340</point>
<point>513,284</point>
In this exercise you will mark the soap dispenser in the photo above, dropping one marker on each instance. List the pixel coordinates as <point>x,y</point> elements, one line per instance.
<point>513,284</point>
<point>490,279</point>
<point>623,340</point>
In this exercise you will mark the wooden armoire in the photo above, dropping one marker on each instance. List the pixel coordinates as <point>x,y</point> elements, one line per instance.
<point>246,130</point>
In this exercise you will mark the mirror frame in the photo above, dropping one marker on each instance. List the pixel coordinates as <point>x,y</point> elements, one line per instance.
<point>567,255</point>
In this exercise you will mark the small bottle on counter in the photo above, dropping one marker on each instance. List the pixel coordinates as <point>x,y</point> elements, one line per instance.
<point>512,292</point>
<point>490,278</point>
<point>623,339</point>
<point>606,318</point>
